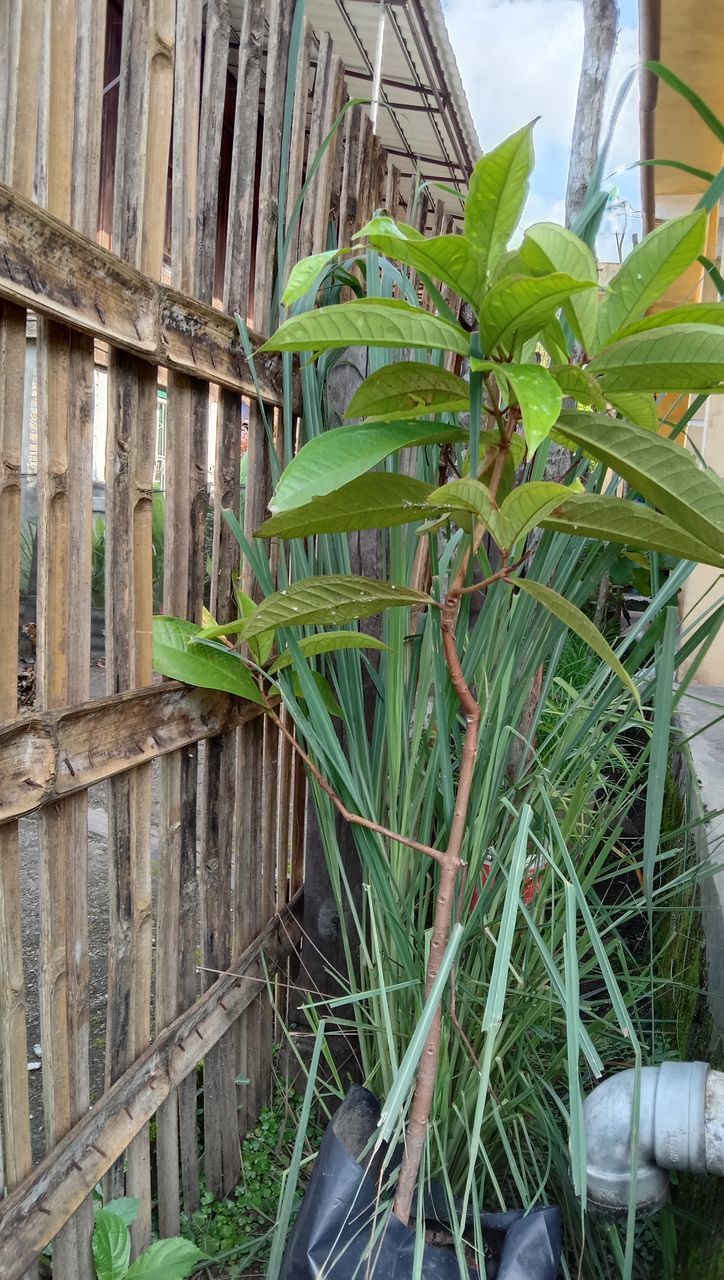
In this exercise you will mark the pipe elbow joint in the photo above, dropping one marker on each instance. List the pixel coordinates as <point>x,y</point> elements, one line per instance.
<point>681,1126</point>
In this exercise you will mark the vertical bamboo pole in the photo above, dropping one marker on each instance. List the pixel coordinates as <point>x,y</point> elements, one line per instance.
<point>144,124</point>
<point>178,771</point>
<point>299,136</point>
<point>320,101</point>
<point>19,86</point>
<point>325,174</point>
<point>348,221</point>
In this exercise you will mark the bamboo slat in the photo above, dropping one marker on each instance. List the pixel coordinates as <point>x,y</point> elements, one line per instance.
<point>144,124</point>
<point>19,83</point>
<point>297,146</point>
<point>320,101</point>
<point>348,221</point>
<point>178,771</point>
<point>30,1216</point>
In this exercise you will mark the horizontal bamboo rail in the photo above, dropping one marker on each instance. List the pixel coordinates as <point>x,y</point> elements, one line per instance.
<point>32,1214</point>
<point>44,758</point>
<point>47,266</point>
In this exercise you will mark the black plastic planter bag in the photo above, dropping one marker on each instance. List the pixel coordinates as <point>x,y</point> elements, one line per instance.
<point>336,1236</point>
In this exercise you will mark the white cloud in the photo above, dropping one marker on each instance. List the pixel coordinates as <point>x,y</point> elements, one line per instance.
<point>520,59</point>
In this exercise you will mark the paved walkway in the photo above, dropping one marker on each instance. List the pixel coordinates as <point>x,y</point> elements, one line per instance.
<point>701,714</point>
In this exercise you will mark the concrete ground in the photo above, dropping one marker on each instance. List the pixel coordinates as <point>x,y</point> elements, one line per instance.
<point>701,714</point>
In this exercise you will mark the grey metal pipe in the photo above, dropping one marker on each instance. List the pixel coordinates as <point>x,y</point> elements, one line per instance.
<point>681,1126</point>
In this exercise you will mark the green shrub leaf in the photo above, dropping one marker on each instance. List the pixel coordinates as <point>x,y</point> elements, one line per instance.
<point>176,656</point>
<point>332,459</point>
<point>408,389</point>
<point>451,259</point>
<point>549,247</point>
<point>322,601</point>
<point>470,495</point>
<point>579,384</point>
<point>328,642</point>
<point>377,500</point>
<point>111,1245</point>
<point>539,397</point>
<point>680,357</point>
<point>368,322</point>
<point>520,306</point>
<point>526,506</point>
<point>637,406</point>
<point>649,269</point>
<point>593,515</point>
<point>305,273</point>
<point>663,472</point>
<point>497,193</point>
<point>172,1259</point>
<point>580,624</point>
<point>691,313</point>
<point>125,1207</point>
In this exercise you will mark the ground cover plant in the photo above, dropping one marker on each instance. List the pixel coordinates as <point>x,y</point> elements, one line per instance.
<point>492,971</point>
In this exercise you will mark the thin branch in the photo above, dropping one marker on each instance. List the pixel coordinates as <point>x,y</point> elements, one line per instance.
<point>355,819</point>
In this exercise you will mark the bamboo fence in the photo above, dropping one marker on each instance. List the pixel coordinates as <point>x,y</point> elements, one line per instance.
<point>186,252</point>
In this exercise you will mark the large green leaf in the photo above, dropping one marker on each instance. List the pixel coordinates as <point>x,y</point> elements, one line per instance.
<point>470,495</point>
<point>322,601</point>
<point>579,384</point>
<point>408,389</point>
<point>305,273</point>
<point>373,501</point>
<point>691,313</point>
<point>451,259</point>
<point>497,193</point>
<point>711,120</point>
<point>172,1259</point>
<point>125,1207</point>
<point>368,322</point>
<point>539,397</point>
<point>177,656</point>
<point>549,247</point>
<point>328,642</point>
<point>111,1245</point>
<point>593,515</point>
<point>328,461</point>
<point>649,270</point>
<point>663,472</point>
<point>519,306</point>
<point>637,406</point>
<point>580,624</point>
<point>680,357</point>
<point>527,505</point>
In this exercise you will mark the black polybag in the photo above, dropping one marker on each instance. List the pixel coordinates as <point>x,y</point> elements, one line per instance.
<point>337,1234</point>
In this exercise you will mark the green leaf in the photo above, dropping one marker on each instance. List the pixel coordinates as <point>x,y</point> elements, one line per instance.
<point>451,259</point>
<point>384,225</point>
<point>527,505</point>
<point>324,690</point>
<point>593,515</point>
<point>711,120</point>
<point>262,646</point>
<point>111,1245</point>
<point>323,601</point>
<point>520,306</point>
<point>470,495</point>
<point>172,1259</point>
<point>549,247</point>
<point>691,313</point>
<point>175,655</point>
<point>637,406</point>
<point>580,624</point>
<point>408,389</point>
<point>539,397</point>
<point>125,1207</point>
<point>663,472</point>
<point>368,322</point>
<point>305,273</point>
<point>375,501</point>
<point>579,384</point>
<point>332,459</point>
<point>328,642</point>
<point>497,192</point>
<point>680,357</point>
<point>704,174</point>
<point>648,271</point>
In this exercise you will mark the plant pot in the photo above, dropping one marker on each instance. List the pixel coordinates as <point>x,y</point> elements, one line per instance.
<point>337,1232</point>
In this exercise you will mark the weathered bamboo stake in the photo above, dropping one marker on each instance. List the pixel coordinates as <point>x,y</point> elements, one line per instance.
<point>320,101</point>
<point>325,174</point>
<point>298,139</point>
<point>144,124</point>
<point>178,771</point>
<point>19,82</point>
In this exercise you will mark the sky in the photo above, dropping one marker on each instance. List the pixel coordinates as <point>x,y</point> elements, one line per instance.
<point>520,59</point>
